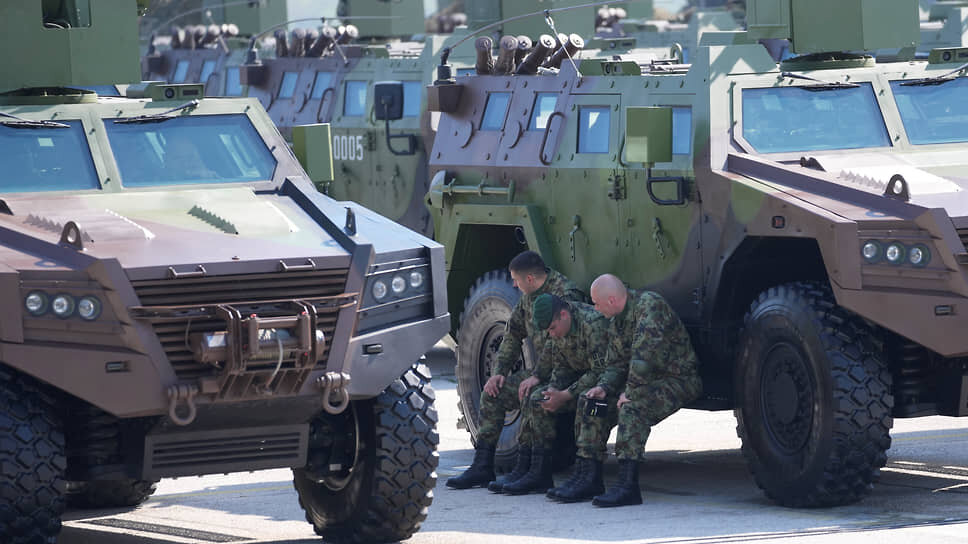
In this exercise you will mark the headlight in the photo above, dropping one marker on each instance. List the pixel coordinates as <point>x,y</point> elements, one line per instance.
<point>872,251</point>
<point>36,303</point>
<point>919,255</point>
<point>398,284</point>
<point>63,306</point>
<point>89,308</point>
<point>416,279</point>
<point>379,290</point>
<point>895,253</point>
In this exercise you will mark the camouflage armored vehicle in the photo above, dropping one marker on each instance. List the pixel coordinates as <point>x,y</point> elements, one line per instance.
<point>806,220</point>
<point>330,76</point>
<point>180,300</point>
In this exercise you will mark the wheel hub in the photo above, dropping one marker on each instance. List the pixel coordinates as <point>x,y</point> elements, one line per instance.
<point>787,397</point>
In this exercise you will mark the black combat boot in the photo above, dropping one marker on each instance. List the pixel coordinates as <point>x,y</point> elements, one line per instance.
<point>480,472</point>
<point>576,475</point>
<point>626,490</point>
<point>589,485</point>
<point>538,479</point>
<point>520,469</point>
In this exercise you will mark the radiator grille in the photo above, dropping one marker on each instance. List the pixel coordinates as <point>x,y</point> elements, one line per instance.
<point>254,448</point>
<point>255,288</point>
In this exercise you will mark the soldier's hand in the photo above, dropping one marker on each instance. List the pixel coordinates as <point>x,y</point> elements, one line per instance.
<point>525,388</point>
<point>622,399</point>
<point>494,385</point>
<point>597,392</point>
<point>555,399</point>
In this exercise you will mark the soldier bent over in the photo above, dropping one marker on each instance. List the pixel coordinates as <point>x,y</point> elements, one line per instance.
<point>577,334</point>
<point>663,374</point>
<point>505,390</point>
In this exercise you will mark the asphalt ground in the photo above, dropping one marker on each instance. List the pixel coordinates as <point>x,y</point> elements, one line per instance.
<point>696,486</point>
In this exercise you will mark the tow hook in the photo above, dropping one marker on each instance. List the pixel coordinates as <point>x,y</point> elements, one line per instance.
<point>178,393</point>
<point>334,382</point>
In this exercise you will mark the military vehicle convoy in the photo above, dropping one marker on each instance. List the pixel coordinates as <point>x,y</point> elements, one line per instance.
<point>180,300</point>
<point>805,219</point>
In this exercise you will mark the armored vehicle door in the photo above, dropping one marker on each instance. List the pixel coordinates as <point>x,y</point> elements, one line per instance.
<point>353,133</point>
<point>663,214</point>
<point>591,212</point>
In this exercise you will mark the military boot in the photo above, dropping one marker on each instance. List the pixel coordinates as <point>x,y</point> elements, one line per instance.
<point>538,478</point>
<point>589,485</point>
<point>626,490</point>
<point>480,472</point>
<point>576,475</point>
<point>520,469</point>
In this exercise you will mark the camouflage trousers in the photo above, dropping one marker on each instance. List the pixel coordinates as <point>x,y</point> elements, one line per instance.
<point>591,432</point>
<point>649,404</point>
<point>543,423</point>
<point>493,410</point>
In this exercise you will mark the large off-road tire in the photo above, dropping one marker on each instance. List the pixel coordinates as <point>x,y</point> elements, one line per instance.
<point>32,463</point>
<point>111,493</point>
<point>813,398</point>
<point>486,312</point>
<point>385,495</point>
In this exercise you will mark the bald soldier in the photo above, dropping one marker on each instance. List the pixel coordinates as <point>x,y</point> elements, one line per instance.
<point>578,337</point>
<point>653,348</point>
<point>506,388</point>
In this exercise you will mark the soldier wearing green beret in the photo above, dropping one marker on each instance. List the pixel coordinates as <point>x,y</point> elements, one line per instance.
<point>654,350</point>
<point>577,334</point>
<point>506,389</point>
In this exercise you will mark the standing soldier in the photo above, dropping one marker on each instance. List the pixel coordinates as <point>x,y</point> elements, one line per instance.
<point>663,374</point>
<point>505,389</point>
<point>577,334</point>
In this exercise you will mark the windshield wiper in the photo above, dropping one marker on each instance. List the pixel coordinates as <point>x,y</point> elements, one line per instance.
<point>935,80</point>
<point>821,84</point>
<point>157,117</point>
<point>20,122</point>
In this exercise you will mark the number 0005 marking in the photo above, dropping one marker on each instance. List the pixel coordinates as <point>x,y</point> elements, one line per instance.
<point>348,148</point>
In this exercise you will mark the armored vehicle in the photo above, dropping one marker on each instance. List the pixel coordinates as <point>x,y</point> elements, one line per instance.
<point>180,300</point>
<point>805,219</point>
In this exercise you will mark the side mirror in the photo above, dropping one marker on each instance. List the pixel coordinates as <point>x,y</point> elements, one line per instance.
<point>648,134</point>
<point>388,106</point>
<point>311,145</point>
<point>388,100</point>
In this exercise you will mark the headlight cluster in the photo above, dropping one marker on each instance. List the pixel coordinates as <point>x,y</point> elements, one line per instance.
<point>62,305</point>
<point>875,251</point>
<point>400,284</point>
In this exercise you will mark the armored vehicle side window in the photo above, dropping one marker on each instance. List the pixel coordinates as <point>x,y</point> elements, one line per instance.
<point>181,72</point>
<point>354,99</point>
<point>593,129</point>
<point>195,149</point>
<point>466,71</point>
<point>320,84</point>
<point>681,131</point>
<point>933,114</point>
<point>808,118</point>
<point>411,98</point>
<point>288,86</point>
<point>46,159</point>
<point>233,85</point>
<point>208,68</point>
<point>544,106</point>
<point>495,110</point>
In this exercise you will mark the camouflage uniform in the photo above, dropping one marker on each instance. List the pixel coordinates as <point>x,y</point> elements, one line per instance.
<point>518,328</point>
<point>663,372</point>
<point>571,358</point>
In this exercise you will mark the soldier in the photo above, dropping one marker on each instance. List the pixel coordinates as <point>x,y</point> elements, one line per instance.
<point>663,374</point>
<point>577,334</point>
<point>505,390</point>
